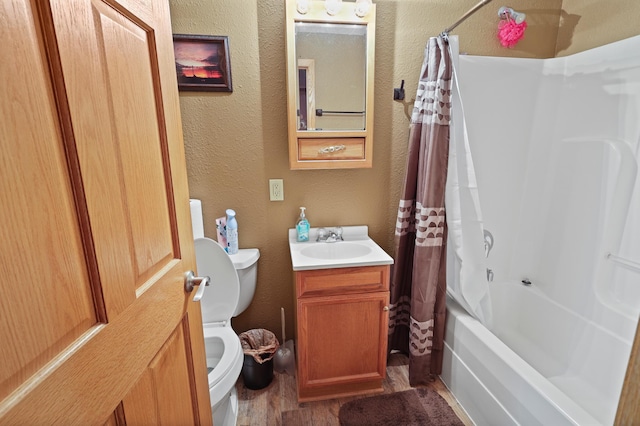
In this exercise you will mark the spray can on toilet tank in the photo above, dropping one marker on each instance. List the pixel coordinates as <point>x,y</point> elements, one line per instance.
<point>232,232</point>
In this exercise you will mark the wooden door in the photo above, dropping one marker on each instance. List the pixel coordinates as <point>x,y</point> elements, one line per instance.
<point>95,325</point>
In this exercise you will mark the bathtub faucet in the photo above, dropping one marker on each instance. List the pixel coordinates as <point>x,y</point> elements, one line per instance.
<point>488,242</point>
<point>488,245</point>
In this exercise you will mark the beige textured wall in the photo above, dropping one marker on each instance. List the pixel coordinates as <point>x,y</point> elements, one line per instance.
<point>585,24</point>
<point>236,141</point>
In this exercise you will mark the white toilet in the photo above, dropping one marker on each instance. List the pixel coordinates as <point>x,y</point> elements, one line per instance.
<point>233,283</point>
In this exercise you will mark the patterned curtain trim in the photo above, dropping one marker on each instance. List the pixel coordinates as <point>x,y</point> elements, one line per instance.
<point>426,222</point>
<point>430,225</point>
<point>421,340</point>
<point>399,313</point>
<point>404,221</point>
<point>436,95</point>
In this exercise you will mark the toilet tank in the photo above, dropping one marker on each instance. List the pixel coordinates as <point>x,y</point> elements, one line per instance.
<point>246,264</point>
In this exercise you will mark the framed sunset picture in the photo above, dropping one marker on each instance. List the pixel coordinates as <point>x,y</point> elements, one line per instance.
<point>202,63</point>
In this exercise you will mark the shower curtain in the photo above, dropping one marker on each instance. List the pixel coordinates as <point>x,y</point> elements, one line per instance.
<point>418,283</point>
<point>418,287</point>
<point>466,259</point>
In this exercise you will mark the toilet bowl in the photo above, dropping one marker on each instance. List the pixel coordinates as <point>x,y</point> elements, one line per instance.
<point>233,282</point>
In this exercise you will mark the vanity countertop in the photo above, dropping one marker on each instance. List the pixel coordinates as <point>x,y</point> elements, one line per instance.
<point>357,249</point>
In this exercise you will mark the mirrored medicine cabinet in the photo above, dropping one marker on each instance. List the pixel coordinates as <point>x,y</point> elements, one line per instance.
<point>330,71</point>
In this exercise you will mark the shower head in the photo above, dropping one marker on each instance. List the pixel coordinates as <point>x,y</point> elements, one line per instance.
<point>511,27</point>
<point>508,13</point>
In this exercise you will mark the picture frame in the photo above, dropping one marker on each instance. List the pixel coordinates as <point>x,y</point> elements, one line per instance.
<point>202,63</point>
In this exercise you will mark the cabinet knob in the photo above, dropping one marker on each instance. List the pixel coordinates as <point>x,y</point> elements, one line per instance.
<point>386,308</point>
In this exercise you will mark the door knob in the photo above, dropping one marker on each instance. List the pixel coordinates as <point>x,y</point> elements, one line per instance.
<point>190,281</point>
<point>386,308</point>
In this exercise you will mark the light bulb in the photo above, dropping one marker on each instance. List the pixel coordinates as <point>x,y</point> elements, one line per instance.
<point>302,6</point>
<point>518,17</point>
<point>333,6</point>
<point>362,8</point>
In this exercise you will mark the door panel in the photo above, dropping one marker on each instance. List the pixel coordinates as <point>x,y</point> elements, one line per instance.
<point>141,404</point>
<point>125,153</point>
<point>47,302</point>
<point>137,121</point>
<point>163,394</point>
<point>96,198</point>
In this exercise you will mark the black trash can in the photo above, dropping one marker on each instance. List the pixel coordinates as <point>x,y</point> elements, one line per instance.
<point>259,347</point>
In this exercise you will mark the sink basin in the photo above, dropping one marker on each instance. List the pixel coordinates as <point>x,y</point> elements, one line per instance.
<point>356,250</point>
<point>338,250</point>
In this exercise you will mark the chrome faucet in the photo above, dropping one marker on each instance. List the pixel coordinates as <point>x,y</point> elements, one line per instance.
<point>488,242</point>
<point>329,235</point>
<point>489,274</point>
<point>488,245</point>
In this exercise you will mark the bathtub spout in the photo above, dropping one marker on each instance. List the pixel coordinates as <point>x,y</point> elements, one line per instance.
<point>488,242</point>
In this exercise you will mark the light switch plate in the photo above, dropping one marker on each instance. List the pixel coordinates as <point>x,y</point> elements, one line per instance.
<point>276,190</point>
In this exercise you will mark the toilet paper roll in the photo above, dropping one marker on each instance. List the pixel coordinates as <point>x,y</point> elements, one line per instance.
<point>197,222</point>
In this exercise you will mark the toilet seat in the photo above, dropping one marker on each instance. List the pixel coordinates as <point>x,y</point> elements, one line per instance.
<point>222,346</point>
<point>223,350</point>
<point>220,299</point>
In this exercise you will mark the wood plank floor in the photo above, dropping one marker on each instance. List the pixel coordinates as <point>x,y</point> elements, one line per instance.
<point>277,403</point>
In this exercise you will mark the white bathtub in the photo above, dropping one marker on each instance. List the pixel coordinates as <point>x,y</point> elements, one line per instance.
<point>541,364</point>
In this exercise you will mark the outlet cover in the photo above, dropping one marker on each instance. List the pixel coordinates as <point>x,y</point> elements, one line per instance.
<point>276,190</point>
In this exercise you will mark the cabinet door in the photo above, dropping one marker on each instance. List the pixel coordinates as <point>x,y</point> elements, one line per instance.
<point>342,345</point>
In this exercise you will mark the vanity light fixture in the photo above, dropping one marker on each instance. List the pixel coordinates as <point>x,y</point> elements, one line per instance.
<point>362,8</point>
<point>333,6</point>
<point>302,6</point>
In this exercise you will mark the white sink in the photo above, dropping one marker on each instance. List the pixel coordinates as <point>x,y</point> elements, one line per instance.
<point>357,249</point>
<point>337,250</point>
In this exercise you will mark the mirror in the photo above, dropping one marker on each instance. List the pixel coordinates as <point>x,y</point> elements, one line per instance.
<point>331,76</point>
<point>330,67</point>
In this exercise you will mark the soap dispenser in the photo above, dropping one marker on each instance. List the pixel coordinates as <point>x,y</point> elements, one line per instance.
<point>302,226</point>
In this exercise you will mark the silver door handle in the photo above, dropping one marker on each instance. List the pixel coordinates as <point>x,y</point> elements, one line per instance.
<point>191,281</point>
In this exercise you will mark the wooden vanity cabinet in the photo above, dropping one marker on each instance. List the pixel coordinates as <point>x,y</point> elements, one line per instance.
<point>342,328</point>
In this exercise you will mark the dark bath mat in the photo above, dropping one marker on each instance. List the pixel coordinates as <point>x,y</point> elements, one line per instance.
<point>419,407</point>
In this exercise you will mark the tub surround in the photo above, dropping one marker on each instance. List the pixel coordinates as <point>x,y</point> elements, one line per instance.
<point>559,189</point>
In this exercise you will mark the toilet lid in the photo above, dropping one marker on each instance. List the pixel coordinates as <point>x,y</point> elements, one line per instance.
<point>220,299</point>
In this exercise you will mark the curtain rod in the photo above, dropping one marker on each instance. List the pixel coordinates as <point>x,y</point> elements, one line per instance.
<point>471,11</point>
